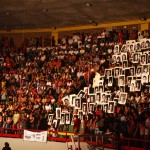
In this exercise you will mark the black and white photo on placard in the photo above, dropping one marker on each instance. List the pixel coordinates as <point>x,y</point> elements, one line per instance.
<point>101,88</point>
<point>138,85</point>
<point>62,118</point>
<point>50,119</point>
<point>105,107</point>
<point>116,49</point>
<point>128,47</point>
<point>143,44</point>
<point>121,71</point>
<point>146,89</point>
<point>77,103</point>
<point>96,89</point>
<point>81,94</point>
<point>55,123</point>
<point>58,113</point>
<point>129,79</point>
<point>111,107</point>
<point>123,56</point>
<point>125,64</point>
<point>121,80</point>
<point>143,59</point>
<point>124,48</point>
<point>84,108</point>
<point>67,118</point>
<point>132,86</point>
<point>144,78</point>
<point>118,59</point>
<point>147,43</point>
<point>91,108</point>
<point>116,72</point>
<point>80,114</point>
<point>86,90</point>
<point>146,69</point>
<point>108,98</point>
<point>131,56</point>
<point>137,46</point>
<point>139,70</point>
<point>131,47</point>
<point>92,97</point>
<point>110,81</point>
<point>108,72</point>
<point>103,97</point>
<point>100,82</point>
<point>114,59</point>
<point>123,98</point>
<point>66,100</point>
<point>98,96</point>
<point>122,88</point>
<point>135,58</point>
<point>132,71</point>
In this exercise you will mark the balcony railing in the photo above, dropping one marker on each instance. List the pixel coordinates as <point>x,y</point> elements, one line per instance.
<point>100,140</point>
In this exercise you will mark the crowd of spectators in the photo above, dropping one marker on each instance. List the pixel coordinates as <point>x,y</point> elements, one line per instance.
<point>36,80</point>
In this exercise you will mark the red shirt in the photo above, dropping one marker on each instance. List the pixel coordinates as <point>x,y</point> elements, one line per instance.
<point>77,123</point>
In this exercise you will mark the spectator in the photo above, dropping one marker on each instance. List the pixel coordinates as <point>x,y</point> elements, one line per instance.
<point>7,147</point>
<point>77,123</point>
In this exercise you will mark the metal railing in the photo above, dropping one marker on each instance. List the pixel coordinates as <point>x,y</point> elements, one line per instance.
<point>100,141</point>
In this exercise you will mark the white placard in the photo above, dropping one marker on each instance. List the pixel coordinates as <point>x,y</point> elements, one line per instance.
<point>35,136</point>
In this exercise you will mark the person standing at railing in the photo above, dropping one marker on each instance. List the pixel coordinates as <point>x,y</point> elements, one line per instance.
<point>1,120</point>
<point>77,123</point>
<point>7,122</point>
<point>16,119</point>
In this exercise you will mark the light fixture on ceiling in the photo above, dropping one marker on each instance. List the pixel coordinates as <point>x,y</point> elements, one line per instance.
<point>91,21</point>
<point>89,4</point>
<point>94,23</point>
<point>8,13</point>
<point>143,18</point>
<point>45,10</point>
<point>53,28</point>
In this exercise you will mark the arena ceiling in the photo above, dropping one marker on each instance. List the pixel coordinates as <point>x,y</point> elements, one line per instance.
<point>35,14</point>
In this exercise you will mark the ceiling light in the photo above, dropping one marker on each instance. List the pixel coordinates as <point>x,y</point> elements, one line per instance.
<point>53,28</point>
<point>94,23</point>
<point>45,10</point>
<point>88,4</point>
<point>8,13</point>
<point>91,21</point>
<point>143,18</point>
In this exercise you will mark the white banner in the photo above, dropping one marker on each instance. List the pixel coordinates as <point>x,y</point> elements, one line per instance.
<point>35,136</point>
